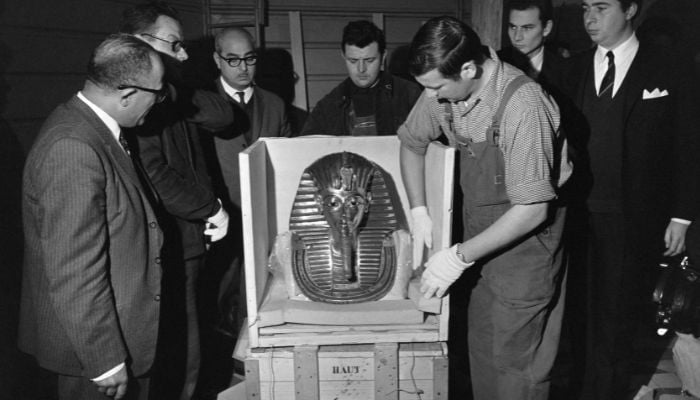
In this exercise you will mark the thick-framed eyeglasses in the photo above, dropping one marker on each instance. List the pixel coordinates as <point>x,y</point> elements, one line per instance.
<point>176,46</point>
<point>236,61</point>
<point>161,93</point>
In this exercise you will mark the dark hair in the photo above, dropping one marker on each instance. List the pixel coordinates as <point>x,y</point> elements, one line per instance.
<point>444,43</point>
<point>121,59</point>
<point>361,34</point>
<point>221,33</point>
<point>544,6</point>
<point>140,18</point>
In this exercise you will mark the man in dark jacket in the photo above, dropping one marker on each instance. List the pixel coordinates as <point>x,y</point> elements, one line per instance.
<point>170,150</point>
<point>637,182</point>
<point>529,24</point>
<point>369,102</point>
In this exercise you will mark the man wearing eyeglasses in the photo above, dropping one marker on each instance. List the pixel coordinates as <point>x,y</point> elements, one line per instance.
<point>169,147</point>
<point>370,102</point>
<point>258,113</point>
<point>92,275</point>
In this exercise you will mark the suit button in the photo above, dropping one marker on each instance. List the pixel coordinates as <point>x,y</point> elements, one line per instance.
<point>153,225</point>
<point>157,260</point>
<point>156,297</point>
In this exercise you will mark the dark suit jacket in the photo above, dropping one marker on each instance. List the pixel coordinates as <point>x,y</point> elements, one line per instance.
<point>170,149</point>
<point>551,77</point>
<point>269,120</point>
<point>91,282</point>
<point>659,139</point>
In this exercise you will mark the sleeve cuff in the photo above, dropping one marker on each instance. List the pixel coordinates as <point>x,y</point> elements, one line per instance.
<point>681,221</point>
<point>220,216</point>
<point>532,192</point>
<point>109,373</point>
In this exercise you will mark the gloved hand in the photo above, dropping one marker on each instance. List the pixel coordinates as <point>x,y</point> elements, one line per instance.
<point>441,270</point>
<point>422,233</point>
<point>217,225</point>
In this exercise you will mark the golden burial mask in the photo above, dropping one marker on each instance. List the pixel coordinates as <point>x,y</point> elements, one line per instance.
<point>343,217</point>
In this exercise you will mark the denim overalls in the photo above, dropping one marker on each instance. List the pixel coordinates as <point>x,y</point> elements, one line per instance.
<point>515,310</point>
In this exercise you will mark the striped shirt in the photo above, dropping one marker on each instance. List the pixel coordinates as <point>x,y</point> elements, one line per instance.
<point>536,161</point>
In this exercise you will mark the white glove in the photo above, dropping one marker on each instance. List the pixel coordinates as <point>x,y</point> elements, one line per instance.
<point>441,270</point>
<point>422,233</point>
<point>217,225</point>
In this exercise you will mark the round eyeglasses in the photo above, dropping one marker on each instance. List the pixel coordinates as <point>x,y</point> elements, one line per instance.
<point>236,61</point>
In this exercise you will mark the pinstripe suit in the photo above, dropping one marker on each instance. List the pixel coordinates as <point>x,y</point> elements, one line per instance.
<point>91,282</point>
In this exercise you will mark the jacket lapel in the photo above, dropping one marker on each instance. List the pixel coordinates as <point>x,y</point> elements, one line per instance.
<point>637,76</point>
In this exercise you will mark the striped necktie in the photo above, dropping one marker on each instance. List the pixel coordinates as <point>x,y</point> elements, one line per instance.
<point>606,86</point>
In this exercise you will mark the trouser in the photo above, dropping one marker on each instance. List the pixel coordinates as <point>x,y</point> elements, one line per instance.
<point>177,365</point>
<point>618,273</point>
<point>192,268</point>
<point>515,315</point>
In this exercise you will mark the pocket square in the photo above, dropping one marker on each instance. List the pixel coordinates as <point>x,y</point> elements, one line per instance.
<point>654,94</point>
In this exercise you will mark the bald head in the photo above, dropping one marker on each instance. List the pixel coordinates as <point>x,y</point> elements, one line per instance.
<point>235,57</point>
<point>233,35</point>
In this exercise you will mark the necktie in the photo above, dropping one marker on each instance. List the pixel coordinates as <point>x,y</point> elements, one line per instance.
<point>124,143</point>
<point>606,86</point>
<point>241,97</point>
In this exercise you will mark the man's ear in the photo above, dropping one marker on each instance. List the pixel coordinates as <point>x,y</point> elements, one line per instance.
<point>469,70</point>
<point>383,60</point>
<point>631,11</point>
<point>216,60</point>
<point>124,98</point>
<point>547,28</point>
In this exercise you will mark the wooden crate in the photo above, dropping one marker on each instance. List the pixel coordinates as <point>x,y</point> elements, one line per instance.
<point>387,371</point>
<point>270,173</point>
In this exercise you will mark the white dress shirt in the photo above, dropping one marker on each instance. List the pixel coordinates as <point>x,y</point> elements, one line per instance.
<point>537,60</point>
<point>623,55</point>
<point>248,92</point>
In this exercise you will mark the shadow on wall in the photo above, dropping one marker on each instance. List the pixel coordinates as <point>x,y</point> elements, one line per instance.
<point>398,63</point>
<point>275,72</point>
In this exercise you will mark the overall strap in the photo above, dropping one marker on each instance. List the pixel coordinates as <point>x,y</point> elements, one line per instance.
<point>510,89</point>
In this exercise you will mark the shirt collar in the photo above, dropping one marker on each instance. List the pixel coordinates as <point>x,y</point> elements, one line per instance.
<point>538,59</point>
<point>466,105</point>
<point>111,123</point>
<point>248,92</point>
<point>623,51</point>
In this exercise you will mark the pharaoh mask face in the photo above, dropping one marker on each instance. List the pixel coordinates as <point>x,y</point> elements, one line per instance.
<point>343,203</point>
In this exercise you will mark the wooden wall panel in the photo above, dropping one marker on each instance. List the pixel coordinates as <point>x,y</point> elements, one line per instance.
<point>45,48</point>
<point>487,17</point>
